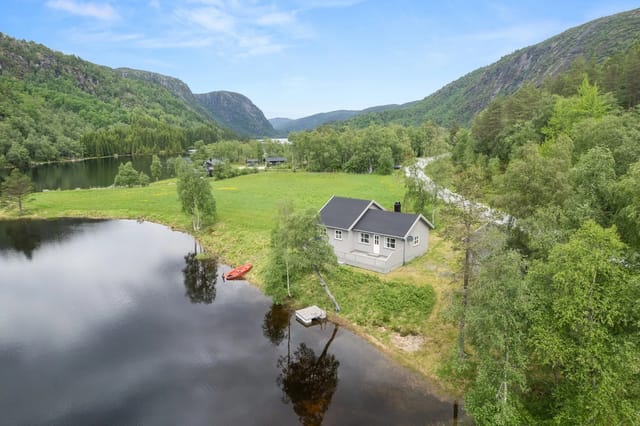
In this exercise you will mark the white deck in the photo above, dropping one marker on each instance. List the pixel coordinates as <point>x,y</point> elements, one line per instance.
<point>307,315</point>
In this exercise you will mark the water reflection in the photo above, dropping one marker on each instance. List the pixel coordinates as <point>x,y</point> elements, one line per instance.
<point>93,173</point>
<point>277,323</point>
<point>309,381</point>
<point>95,328</point>
<point>25,236</point>
<point>200,276</point>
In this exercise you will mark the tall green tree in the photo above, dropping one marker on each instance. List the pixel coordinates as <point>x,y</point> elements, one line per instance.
<point>299,247</point>
<point>16,187</point>
<point>156,167</point>
<point>497,330</point>
<point>18,155</point>
<point>195,196</point>
<point>592,179</point>
<point>588,103</point>
<point>585,330</point>
<point>626,196</point>
<point>538,177</point>
<point>467,219</point>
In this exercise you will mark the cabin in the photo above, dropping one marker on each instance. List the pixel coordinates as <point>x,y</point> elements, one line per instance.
<point>274,161</point>
<point>252,162</point>
<point>365,235</point>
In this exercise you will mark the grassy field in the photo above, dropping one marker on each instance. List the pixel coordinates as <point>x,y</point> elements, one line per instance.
<point>398,311</point>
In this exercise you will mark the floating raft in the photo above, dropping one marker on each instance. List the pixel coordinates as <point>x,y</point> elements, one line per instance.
<point>307,315</point>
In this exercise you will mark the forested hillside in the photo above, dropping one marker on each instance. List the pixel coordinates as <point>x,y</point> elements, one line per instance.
<point>55,106</point>
<point>459,101</point>
<point>547,312</point>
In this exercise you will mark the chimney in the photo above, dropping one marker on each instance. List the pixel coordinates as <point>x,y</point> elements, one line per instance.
<point>397,207</point>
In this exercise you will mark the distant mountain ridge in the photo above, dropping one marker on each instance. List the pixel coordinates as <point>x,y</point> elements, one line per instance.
<point>462,99</point>
<point>231,110</point>
<point>285,125</point>
<point>236,112</point>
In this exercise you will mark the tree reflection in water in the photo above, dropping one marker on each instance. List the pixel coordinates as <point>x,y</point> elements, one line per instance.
<point>276,323</point>
<point>200,276</point>
<point>309,382</point>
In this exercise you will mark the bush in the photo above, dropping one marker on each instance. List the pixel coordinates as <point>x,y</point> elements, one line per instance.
<point>128,176</point>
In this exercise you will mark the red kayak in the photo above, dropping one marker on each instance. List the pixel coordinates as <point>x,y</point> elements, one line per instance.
<point>238,272</point>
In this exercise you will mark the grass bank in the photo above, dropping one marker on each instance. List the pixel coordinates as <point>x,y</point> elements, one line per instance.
<point>398,311</point>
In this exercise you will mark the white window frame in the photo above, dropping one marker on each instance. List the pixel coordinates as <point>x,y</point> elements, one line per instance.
<point>389,243</point>
<point>338,234</point>
<point>364,240</point>
<point>416,240</point>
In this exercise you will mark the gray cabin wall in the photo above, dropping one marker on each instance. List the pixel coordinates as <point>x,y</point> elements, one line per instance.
<point>411,251</point>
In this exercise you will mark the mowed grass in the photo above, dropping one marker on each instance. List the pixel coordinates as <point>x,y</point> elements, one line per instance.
<point>390,310</point>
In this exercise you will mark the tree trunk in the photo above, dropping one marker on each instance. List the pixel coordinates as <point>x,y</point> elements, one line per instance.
<point>326,347</point>
<point>326,288</point>
<point>286,261</point>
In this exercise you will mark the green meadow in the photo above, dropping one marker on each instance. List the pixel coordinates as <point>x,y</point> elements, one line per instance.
<point>396,311</point>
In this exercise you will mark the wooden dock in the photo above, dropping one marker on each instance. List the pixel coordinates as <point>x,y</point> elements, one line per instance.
<point>307,315</point>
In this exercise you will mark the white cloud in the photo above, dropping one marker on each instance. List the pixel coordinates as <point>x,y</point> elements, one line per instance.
<point>210,19</point>
<point>96,10</point>
<point>234,28</point>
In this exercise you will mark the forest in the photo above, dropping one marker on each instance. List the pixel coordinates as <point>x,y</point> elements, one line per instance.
<point>55,106</point>
<point>564,161</point>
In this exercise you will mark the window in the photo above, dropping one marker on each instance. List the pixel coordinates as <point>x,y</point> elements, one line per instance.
<point>390,243</point>
<point>338,235</point>
<point>416,240</point>
<point>364,238</point>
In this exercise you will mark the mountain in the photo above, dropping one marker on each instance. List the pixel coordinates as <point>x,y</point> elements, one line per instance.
<point>279,122</point>
<point>231,110</point>
<point>236,112</point>
<point>285,125</point>
<point>56,106</point>
<point>462,99</point>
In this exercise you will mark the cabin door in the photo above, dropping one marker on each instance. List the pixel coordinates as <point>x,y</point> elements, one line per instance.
<point>376,244</point>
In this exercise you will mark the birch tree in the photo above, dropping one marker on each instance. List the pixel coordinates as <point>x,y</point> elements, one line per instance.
<point>195,196</point>
<point>497,330</point>
<point>299,246</point>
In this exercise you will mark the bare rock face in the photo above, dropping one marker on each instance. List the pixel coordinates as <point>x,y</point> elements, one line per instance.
<point>236,112</point>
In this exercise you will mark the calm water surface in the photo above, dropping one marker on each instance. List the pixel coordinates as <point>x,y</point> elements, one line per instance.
<point>118,323</point>
<point>95,173</point>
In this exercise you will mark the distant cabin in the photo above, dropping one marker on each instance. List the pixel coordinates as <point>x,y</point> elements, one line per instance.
<point>275,161</point>
<point>252,162</point>
<point>365,235</point>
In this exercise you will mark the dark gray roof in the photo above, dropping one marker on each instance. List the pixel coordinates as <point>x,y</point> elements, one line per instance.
<point>341,212</point>
<point>393,224</point>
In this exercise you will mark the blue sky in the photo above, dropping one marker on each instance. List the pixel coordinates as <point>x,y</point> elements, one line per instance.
<point>294,58</point>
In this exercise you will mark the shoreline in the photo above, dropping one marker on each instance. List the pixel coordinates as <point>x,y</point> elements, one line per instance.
<point>432,383</point>
<point>241,234</point>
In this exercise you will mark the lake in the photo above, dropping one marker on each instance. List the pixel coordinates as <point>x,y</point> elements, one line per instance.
<point>120,323</point>
<point>92,173</point>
